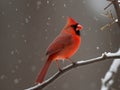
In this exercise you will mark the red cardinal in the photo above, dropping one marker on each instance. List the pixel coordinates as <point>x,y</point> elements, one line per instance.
<point>63,47</point>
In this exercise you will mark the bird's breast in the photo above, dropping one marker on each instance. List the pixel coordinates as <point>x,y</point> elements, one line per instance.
<point>70,49</point>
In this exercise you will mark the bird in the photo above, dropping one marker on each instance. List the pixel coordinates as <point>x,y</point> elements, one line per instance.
<point>63,47</point>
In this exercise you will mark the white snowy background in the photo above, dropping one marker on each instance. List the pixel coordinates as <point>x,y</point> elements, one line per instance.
<point>28,26</point>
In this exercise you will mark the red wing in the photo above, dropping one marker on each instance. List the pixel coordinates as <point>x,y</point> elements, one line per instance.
<point>59,43</point>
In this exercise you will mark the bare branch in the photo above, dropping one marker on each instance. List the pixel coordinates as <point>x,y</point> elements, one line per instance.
<point>108,25</point>
<point>108,5</point>
<point>77,64</point>
<point>109,14</point>
<point>117,9</point>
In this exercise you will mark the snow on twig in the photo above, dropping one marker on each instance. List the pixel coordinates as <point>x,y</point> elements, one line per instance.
<point>103,57</point>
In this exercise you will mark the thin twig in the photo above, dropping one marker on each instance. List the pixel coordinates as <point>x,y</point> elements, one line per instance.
<point>117,9</point>
<point>109,14</point>
<point>103,57</point>
<point>108,25</point>
<point>108,5</point>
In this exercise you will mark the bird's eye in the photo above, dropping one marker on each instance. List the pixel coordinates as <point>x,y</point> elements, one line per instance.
<point>74,26</point>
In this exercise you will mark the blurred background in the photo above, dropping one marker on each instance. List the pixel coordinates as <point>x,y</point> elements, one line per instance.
<point>27,27</point>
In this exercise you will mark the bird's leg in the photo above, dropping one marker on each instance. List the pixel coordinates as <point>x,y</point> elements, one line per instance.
<point>58,65</point>
<point>71,61</point>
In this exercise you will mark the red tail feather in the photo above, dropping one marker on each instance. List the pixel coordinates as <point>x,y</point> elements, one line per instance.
<point>43,72</point>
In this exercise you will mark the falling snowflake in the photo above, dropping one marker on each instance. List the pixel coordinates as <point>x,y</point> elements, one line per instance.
<point>3,13</point>
<point>47,23</point>
<point>95,18</point>
<point>16,80</point>
<point>16,66</point>
<point>29,17</point>
<point>116,20</point>
<point>83,1</point>
<point>3,77</point>
<point>12,52</point>
<point>9,3</point>
<point>46,30</point>
<point>8,25</point>
<point>110,44</point>
<point>28,4</point>
<point>19,61</point>
<point>63,16</point>
<point>42,59</point>
<point>33,68</point>
<point>16,9</point>
<point>25,41</point>
<point>16,51</point>
<point>48,2</point>
<point>23,36</point>
<point>38,4</point>
<point>49,18</point>
<point>26,20</point>
<point>53,4</point>
<point>97,48</point>
<point>13,71</point>
<point>64,5</point>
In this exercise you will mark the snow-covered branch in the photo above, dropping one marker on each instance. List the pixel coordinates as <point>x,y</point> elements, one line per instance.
<point>104,56</point>
<point>108,80</point>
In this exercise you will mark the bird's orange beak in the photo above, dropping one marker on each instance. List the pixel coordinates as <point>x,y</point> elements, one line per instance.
<point>79,27</point>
